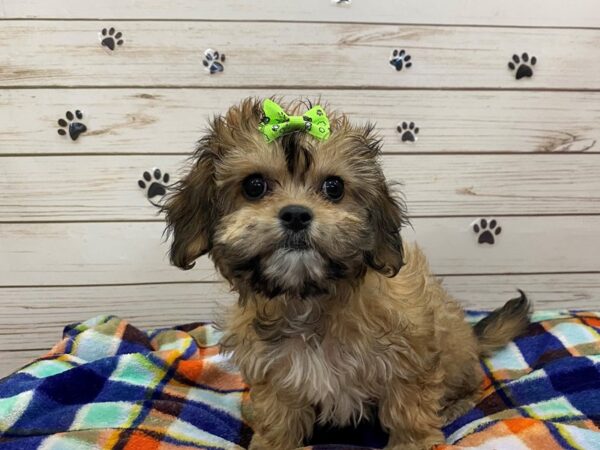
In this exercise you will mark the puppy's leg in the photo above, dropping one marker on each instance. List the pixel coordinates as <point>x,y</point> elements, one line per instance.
<point>277,424</point>
<point>460,362</point>
<point>410,411</point>
<point>461,390</point>
<point>455,409</point>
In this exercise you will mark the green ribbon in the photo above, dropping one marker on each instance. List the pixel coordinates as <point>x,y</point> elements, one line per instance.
<point>275,122</point>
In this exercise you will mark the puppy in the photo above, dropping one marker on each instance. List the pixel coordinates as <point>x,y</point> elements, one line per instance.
<point>328,327</point>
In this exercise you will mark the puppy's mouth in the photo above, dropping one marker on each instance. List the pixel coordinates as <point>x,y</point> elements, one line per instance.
<point>295,265</point>
<point>295,241</point>
<point>294,268</point>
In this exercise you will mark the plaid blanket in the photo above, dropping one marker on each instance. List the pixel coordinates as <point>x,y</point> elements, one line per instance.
<point>108,385</point>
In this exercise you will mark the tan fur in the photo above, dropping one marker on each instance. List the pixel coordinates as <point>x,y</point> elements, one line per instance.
<point>331,331</point>
<point>502,325</point>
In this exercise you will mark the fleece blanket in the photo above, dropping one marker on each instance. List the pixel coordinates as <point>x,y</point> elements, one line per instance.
<point>108,385</point>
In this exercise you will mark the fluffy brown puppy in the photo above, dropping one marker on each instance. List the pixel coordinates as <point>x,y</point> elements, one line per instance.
<point>327,328</point>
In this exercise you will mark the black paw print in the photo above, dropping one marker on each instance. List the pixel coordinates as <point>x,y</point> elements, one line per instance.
<point>408,131</point>
<point>155,184</point>
<point>75,128</point>
<point>400,59</point>
<point>212,60</point>
<point>487,231</point>
<point>110,39</point>
<point>523,65</point>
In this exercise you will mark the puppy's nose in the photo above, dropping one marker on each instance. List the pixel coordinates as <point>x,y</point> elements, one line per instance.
<point>295,217</point>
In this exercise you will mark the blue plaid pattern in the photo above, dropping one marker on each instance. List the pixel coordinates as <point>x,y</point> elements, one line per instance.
<point>109,385</point>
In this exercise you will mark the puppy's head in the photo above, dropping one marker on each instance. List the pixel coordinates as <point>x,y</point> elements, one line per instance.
<point>294,216</point>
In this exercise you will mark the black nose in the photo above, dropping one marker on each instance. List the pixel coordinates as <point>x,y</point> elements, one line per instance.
<point>295,217</point>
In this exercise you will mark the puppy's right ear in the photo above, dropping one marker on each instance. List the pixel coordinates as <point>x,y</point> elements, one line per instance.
<point>190,212</point>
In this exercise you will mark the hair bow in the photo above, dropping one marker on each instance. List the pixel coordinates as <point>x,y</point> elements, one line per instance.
<point>275,122</point>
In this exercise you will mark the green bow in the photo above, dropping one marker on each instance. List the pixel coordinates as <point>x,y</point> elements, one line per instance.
<point>275,122</point>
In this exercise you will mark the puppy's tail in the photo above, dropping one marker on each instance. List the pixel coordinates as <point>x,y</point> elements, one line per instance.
<point>503,324</point>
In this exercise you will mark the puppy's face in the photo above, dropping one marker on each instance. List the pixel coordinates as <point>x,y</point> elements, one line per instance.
<point>291,217</point>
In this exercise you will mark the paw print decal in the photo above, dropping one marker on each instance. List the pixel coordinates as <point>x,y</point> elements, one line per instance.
<point>154,185</point>
<point>72,125</point>
<point>408,131</point>
<point>213,61</point>
<point>523,65</point>
<point>486,232</point>
<point>400,59</point>
<point>110,39</point>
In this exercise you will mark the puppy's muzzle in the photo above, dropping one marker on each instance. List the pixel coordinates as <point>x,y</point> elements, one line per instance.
<point>295,218</point>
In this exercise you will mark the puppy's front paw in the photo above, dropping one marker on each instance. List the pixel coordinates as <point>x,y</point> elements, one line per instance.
<point>457,409</point>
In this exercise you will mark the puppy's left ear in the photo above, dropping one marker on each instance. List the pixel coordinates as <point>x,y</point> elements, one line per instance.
<point>190,211</point>
<point>387,217</point>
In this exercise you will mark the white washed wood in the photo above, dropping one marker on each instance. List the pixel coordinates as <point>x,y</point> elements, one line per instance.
<point>53,53</point>
<point>105,187</point>
<point>171,120</point>
<point>48,309</point>
<point>34,318</point>
<point>12,360</point>
<point>100,253</point>
<point>555,291</point>
<point>89,253</point>
<point>583,13</point>
<point>158,305</point>
<point>526,244</point>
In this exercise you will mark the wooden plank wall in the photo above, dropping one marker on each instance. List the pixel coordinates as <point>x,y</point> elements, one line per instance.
<point>79,237</point>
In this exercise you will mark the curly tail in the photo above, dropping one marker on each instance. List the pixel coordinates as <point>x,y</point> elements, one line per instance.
<point>503,324</point>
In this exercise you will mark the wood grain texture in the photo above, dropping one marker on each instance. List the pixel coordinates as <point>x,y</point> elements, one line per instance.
<point>116,252</point>
<point>583,13</point>
<point>12,360</point>
<point>64,188</point>
<point>52,53</point>
<point>483,149</point>
<point>32,319</point>
<point>171,120</point>
<point>48,309</point>
<point>547,292</point>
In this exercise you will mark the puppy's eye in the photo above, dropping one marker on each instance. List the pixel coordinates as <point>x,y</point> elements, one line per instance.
<point>254,186</point>
<point>333,188</point>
